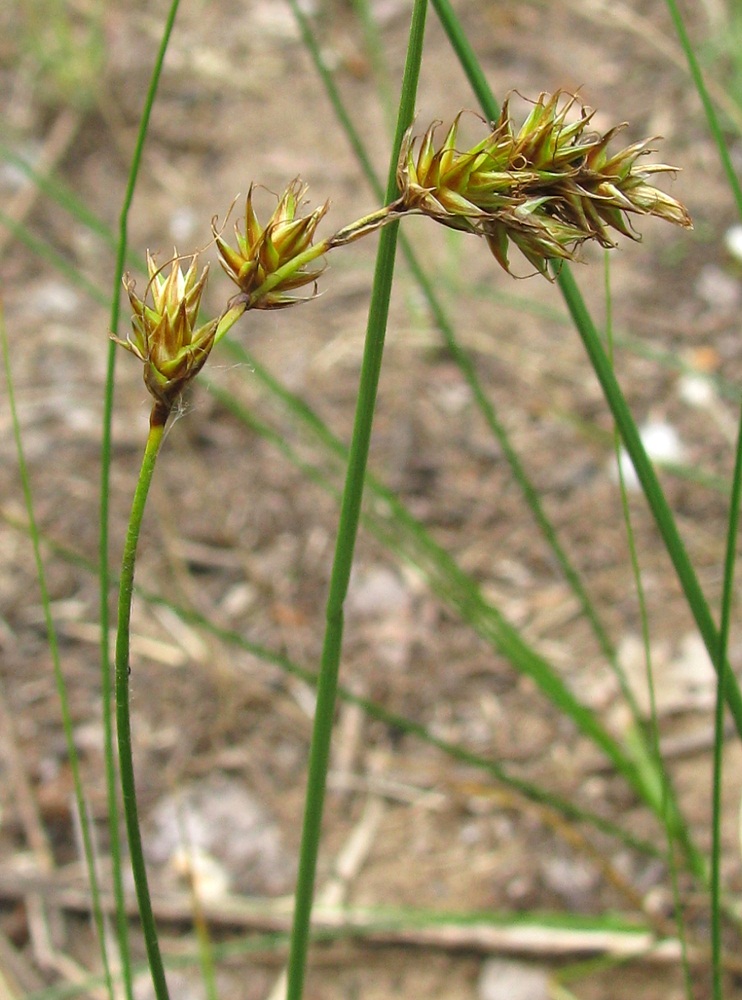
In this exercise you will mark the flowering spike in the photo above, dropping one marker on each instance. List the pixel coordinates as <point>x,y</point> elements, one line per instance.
<point>164,336</point>
<point>273,259</point>
<point>547,187</point>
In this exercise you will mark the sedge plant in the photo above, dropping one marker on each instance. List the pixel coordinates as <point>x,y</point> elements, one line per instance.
<point>544,188</point>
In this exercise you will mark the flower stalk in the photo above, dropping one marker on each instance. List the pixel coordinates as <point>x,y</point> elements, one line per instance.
<point>173,349</point>
<point>545,188</point>
<point>123,716</point>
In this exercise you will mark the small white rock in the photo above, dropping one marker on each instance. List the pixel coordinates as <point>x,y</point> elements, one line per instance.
<point>219,819</point>
<point>193,866</point>
<point>692,667</point>
<point>733,241</point>
<point>718,289</point>
<point>571,879</point>
<point>183,225</point>
<point>697,390</point>
<point>55,299</point>
<point>662,444</point>
<point>377,591</point>
<point>183,984</point>
<point>502,979</point>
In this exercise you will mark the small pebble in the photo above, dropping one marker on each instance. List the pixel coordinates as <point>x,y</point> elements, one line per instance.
<point>662,444</point>
<point>219,821</point>
<point>377,591</point>
<point>502,979</point>
<point>733,241</point>
<point>572,880</point>
<point>54,299</point>
<point>183,225</point>
<point>696,390</point>
<point>718,289</point>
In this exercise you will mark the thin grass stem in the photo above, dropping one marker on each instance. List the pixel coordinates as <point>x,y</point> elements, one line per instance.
<point>727,600</point>
<point>667,796</point>
<point>712,119</point>
<point>621,413</point>
<point>347,532</point>
<point>123,717</point>
<point>467,368</point>
<point>467,57</point>
<point>375,49</point>
<point>650,485</point>
<point>122,926</point>
<point>726,680</point>
<point>51,632</point>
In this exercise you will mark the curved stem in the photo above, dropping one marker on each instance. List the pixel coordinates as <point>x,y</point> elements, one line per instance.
<point>122,929</point>
<point>123,720</point>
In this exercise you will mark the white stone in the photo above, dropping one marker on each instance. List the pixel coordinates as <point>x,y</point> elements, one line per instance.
<point>377,591</point>
<point>502,979</point>
<point>662,444</point>
<point>733,241</point>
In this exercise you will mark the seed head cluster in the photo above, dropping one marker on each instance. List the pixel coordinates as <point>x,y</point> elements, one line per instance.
<point>165,336</point>
<point>547,187</point>
<point>274,259</point>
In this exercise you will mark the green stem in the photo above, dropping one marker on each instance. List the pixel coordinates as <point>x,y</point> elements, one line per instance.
<point>347,531</point>
<point>586,328</point>
<point>123,719</point>
<point>461,357</point>
<point>721,697</point>
<point>287,270</point>
<point>122,926</point>
<point>53,643</point>
<point>651,487</point>
<point>368,224</point>
<point>668,800</point>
